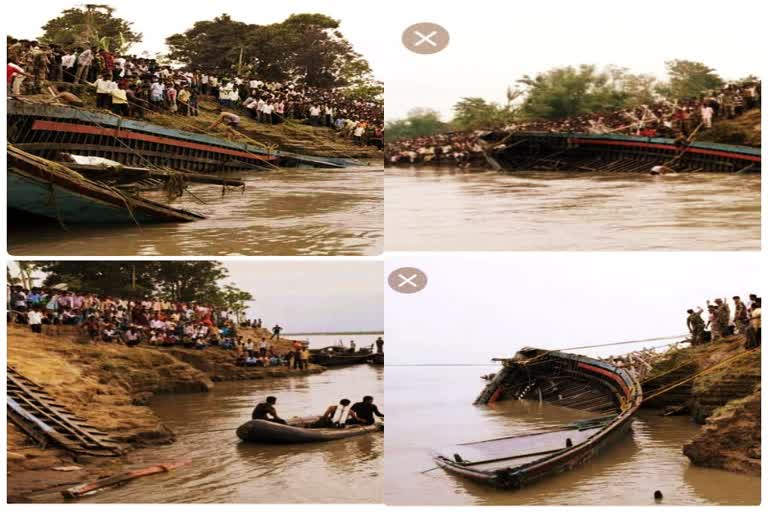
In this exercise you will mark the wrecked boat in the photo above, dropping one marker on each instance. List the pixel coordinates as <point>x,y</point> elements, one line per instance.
<point>47,130</point>
<point>50,189</point>
<point>613,394</point>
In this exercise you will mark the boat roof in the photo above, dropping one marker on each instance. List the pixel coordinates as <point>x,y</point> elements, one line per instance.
<point>515,451</point>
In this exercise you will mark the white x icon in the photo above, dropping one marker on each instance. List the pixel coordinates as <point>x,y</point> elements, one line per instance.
<point>425,39</point>
<point>407,280</point>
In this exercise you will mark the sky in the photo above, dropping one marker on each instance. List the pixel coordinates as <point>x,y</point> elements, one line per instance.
<point>495,42</point>
<point>313,296</point>
<point>479,306</point>
<point>158,20</point>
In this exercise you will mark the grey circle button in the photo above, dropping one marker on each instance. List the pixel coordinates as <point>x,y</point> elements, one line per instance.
<point>425,38</point>
<point>407,280</point>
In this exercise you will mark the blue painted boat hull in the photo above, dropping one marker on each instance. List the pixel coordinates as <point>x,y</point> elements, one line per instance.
<point>35,186</point>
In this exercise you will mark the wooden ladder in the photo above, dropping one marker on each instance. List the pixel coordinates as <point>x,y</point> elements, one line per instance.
<point>36,413</point>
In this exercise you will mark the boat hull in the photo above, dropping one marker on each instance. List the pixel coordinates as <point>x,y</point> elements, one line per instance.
<point>267,432</point>
<point>33,189</point>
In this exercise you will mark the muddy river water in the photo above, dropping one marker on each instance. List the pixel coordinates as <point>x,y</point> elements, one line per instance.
<point>431,407</point>
<point>442,209</point>
<point>282,212</point>
<point>224,470</point>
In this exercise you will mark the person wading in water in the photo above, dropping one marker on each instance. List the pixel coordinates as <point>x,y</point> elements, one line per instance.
<point>265,409</point>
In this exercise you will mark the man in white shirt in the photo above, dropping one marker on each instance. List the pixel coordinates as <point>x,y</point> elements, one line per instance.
<point>314,115</point>
<point>104,87</point>
<point>35,320</point>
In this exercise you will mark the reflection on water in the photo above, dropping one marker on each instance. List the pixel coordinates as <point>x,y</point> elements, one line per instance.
<point>282,212</point>
<point>431,407</point>
<point>224,470</point>
<point>445,209</point>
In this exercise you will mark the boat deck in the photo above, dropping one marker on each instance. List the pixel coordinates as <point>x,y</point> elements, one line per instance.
<point>515,451</point>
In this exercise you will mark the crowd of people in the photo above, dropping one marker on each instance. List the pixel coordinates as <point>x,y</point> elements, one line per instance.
<point>153,322</point>
<point>131,86</point>
<point>680,119</point>
<point>722,321</point>
<point>458,148</point>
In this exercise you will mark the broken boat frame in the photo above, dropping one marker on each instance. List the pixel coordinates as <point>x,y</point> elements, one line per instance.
<point>568,380</point>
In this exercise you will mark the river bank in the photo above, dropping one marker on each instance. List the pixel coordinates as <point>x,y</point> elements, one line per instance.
<point>111,386</point>
<point>726,401</point>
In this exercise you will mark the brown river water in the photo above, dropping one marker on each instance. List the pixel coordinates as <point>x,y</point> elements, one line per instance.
<point>431,407</point>
<point>224,470</point>
<point>282,212</point>
<point>445,209</point>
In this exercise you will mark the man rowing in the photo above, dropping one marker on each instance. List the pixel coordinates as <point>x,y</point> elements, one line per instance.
<point>266,411</point>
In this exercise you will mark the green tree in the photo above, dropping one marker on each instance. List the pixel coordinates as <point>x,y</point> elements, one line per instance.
<point>419,122</point>
<point>90,25</point>
<point>477,114</point>
<point>116,278</point>
<point>689,79</point>
<point>309,46</point>
<point>233,299</point>
<point>185,281</point>
<point>189,281</point>
<point>567,92</point>
<point>210,45</point>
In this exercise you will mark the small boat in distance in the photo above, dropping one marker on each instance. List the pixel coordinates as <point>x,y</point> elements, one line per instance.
<point>339,356</point>
<point>613,394</point>
<point>50,189</point>
<point>297,430</point>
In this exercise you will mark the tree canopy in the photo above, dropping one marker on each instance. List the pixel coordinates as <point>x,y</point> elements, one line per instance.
<point>418,123</point>
<point>309,46</point>
<point>90,25</point>
<point>477,113</point>
<point>184,281</point>
<point>689,79</point>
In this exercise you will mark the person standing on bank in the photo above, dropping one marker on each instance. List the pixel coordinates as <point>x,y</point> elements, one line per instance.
<point>696,326</point>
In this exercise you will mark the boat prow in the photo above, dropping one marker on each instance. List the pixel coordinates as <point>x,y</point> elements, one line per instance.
<point>297,431</point>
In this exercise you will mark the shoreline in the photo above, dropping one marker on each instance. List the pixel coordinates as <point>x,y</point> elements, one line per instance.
<point>111,387</point>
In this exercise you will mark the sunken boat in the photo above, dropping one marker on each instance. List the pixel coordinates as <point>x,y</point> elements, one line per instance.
<point>339,356</point>
<point>614,153</point>
<point>298,430</point>
<point>49,189</point>
<point>47,130</point>
<point>612,394</point>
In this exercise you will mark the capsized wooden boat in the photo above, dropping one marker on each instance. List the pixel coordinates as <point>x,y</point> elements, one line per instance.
<point>613,394</point>
<point>47,130</point>
<point>298,431</point>
<point>49,189</point>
